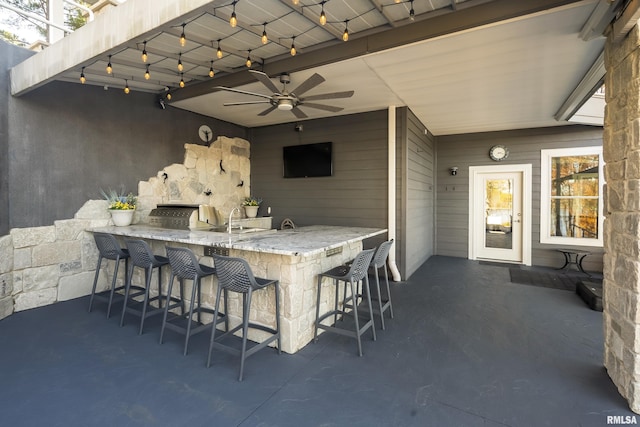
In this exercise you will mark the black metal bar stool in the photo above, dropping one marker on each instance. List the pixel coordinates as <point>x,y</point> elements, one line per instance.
<point>234,274</point>
<point>353,274</point>
<point>185,266</point>
<point>378,261</point>
<point>109,248</point>
<point>143,257</point>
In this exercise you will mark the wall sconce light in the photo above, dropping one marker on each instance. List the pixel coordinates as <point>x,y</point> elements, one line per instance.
<point>453,171</point>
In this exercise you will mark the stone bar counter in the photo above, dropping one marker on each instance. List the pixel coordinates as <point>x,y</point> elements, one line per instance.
<point>295,257</point>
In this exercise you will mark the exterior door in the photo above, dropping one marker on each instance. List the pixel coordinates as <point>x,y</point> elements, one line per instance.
<point>497,215</point>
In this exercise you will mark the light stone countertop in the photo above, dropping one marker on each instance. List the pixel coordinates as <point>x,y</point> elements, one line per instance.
<point>302,241</point>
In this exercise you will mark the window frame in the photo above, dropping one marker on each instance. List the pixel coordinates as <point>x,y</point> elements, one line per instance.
<point>545,196</point>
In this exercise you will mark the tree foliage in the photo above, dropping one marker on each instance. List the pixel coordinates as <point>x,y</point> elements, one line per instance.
<point>73,18</point>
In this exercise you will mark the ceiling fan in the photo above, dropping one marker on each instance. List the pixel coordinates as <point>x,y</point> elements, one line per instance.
<point>289,101</point>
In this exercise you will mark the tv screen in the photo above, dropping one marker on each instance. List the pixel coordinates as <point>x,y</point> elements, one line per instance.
<point>308,160</point>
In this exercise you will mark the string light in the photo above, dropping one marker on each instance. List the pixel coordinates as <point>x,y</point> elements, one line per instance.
<point>264,39</point>
<point>233,21</point>
<point>180,66</point>
<point>323,17</point>
<point>169,96</point>
<point>295,2</point>
<point>412,13</point>
<point>83,79</point>
<point>181,79</point>
<point>248,63</point>
<point>126,87</point>
<point>211,72</point>
<point>147,76</point>
<point>144,52</point>
<point>183,37</point>
<point>219,51</point>
<point>293,46</point>
<point>345,35</point>
<point>109,67</point>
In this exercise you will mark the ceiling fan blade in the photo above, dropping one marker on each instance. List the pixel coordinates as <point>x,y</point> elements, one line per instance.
<point>298,113</point>
<point>230,89</point>
<point>308,84</point>
<point>265,80</point>
<point>333,95</point>
<point>226,104</point>
<point>268,110</point>
<point>322,107</point>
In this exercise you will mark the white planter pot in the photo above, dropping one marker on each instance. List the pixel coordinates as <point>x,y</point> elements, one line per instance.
<point>251,211</point>
<point>122,218</point>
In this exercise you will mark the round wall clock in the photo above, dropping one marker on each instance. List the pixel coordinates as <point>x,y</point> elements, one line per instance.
<point>498,153</point>
<point>205,133</point>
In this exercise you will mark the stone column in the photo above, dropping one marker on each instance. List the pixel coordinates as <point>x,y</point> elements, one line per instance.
<point>622,211</point>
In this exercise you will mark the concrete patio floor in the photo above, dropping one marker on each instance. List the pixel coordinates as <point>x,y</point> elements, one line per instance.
<point>466,348</point>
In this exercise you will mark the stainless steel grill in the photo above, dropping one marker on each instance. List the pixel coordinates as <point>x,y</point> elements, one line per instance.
<point>173,216</point>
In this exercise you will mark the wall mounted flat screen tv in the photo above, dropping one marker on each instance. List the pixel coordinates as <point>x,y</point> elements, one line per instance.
<point>308,160</point>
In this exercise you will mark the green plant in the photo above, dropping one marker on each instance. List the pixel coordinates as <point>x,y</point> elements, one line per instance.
<point>120,201</point>
<point>251,201</point>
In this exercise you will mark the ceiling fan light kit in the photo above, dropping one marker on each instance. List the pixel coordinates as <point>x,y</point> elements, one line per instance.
<point>285,105</point>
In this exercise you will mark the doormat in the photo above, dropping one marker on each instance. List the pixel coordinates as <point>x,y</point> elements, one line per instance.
<point>545,279</point>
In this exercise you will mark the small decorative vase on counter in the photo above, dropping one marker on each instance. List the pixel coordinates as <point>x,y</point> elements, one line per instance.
<point>122,217</point>
<point>251,211</point>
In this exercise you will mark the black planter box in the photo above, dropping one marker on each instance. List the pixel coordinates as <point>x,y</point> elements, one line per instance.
<point>591,293</point>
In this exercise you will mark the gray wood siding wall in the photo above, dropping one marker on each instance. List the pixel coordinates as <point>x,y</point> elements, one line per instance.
<point>416,213</point>
<point>452,193</point>
<point>356,194</point>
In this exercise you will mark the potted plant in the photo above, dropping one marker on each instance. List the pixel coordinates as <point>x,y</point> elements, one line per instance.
<point>251,205</point>
<point>121,206</point>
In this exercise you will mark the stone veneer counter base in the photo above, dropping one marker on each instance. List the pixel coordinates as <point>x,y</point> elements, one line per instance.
<point>295,257</point>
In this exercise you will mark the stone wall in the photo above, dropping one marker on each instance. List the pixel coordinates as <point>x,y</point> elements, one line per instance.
<point>43,265</point>
<point>622,210</point>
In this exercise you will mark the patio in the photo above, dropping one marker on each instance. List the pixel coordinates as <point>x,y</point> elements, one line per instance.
<point>466,347</point>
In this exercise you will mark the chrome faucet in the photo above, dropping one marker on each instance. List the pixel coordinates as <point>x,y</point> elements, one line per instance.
<point>231,216</point>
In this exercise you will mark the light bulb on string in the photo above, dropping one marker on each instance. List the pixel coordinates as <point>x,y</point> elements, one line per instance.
<point>183,37</point>
<point>180,66</point>
<point>323,17</point>
<point>144,52</point>
<point>248,63</point>
<point>126,87</point>
<point>211,72</point>
<point>296,2</point>
<point>181,79</point>
<point>233,21</point>
<point>83,79</point>
<point>169,96</point>
<point>345,35</point>
<point>219,51</point>
<point>412,13</point>
<point>147,75</point>
<point>264,37</point>
<point>293,46</point>
<point>109,67</point>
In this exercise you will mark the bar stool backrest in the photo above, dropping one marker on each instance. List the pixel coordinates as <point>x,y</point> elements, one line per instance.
<point>234,274</point>
<point>360,265</point>
<point>108,246</point>
<point>380,258</point>
<point>183,262</point>
<point>140,253</point>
